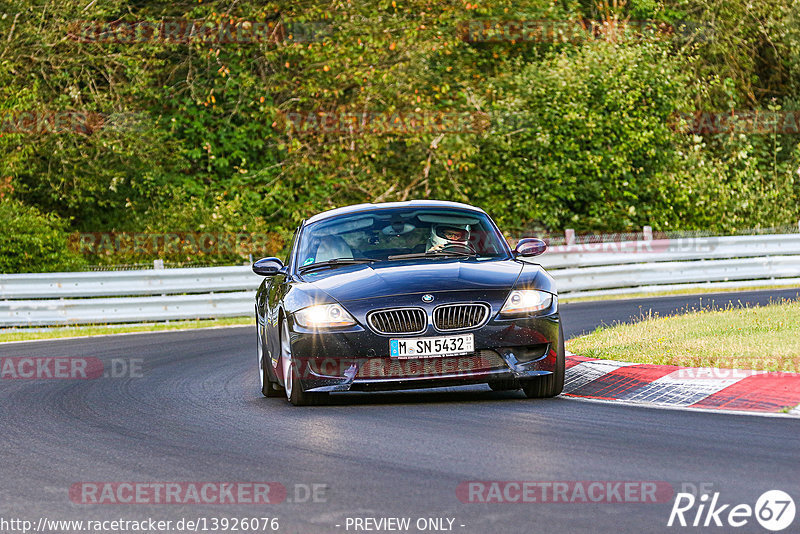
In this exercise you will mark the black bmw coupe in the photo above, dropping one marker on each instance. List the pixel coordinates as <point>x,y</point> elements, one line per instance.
<point>406,295</point>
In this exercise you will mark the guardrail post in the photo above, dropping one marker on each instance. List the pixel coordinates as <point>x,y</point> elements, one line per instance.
<point>569,235</point>
<point>648,233</point>
<point>158,264</point>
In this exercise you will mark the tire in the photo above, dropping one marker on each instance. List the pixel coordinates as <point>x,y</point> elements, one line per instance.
<point>269,387</point>
<point>291,386</point>
<point>552,384</point>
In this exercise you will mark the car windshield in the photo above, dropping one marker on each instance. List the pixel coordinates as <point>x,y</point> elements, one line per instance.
<point>400,233</point>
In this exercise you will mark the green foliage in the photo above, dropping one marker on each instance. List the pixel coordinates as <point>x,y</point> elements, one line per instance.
<point>31,241</point>
<point>593,148</point>
<point>580,130</point>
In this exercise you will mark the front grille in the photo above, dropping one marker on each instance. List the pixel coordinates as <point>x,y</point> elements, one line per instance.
<point>466,366</point>
<point>398,321</point>
<point>460,316</point>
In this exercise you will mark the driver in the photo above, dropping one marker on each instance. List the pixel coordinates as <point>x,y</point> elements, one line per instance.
<point>444,235</point>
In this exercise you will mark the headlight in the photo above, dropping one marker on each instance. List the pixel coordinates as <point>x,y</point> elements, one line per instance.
<point>524,301</point>
<point>324,316</point>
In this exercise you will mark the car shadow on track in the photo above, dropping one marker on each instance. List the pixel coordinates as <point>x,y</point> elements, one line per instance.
<point>427,396</point>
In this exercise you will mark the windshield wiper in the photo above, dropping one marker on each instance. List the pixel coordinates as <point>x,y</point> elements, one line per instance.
<point>334,263</point>
<point>437,254</point>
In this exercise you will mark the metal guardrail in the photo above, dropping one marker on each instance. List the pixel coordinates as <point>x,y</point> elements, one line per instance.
<point>575,280</point>
<point>126,310</point>
<point>134,296</point>
<point>587,269</point>
<point>646,266</point>
<point>127,283</point>
<point>684,248</point>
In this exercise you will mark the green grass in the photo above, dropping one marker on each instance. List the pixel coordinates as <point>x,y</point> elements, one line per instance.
<point>760,338</point>
<point>95,330</point>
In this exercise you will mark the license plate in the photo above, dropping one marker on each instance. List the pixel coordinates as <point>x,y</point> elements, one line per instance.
<point>419,347</point>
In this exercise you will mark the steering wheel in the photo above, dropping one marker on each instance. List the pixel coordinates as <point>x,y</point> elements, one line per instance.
<point>460,247</point>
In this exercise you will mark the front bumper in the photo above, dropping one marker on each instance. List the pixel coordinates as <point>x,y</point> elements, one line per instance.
<point>357,359</point>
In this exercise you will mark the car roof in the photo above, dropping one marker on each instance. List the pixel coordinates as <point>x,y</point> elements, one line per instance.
<point>387,205</point>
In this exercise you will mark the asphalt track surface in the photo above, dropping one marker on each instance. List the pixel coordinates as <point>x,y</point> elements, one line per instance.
<point>195,414</point>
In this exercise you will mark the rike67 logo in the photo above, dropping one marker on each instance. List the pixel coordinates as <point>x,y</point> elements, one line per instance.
<point>774,510</point>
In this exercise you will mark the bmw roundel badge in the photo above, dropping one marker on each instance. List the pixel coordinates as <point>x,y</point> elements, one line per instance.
<point>427,298</point>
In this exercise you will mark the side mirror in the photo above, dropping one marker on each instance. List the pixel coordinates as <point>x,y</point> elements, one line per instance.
<point>530,246</point>
<point>268,266</point>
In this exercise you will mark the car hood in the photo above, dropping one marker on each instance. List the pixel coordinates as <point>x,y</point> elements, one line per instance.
<point>395,278</point>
